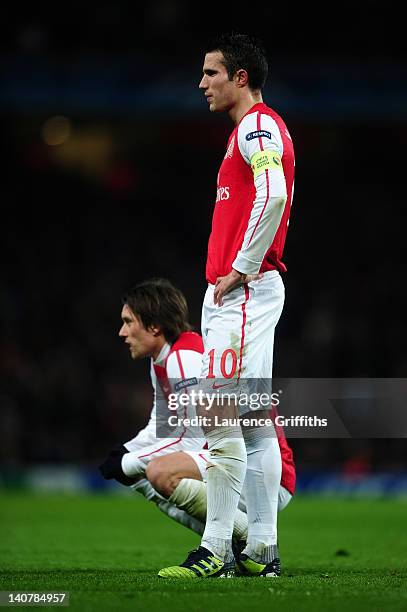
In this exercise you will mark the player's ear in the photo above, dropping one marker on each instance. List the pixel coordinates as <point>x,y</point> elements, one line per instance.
<point>155,330</point>
<point>241,77</point>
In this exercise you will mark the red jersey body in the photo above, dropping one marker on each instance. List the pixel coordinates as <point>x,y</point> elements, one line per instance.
<point>254,196</point>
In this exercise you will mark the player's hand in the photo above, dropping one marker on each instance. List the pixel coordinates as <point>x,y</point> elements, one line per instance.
<point>224,284</point>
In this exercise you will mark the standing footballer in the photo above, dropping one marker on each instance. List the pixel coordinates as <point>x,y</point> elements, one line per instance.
<point>242,306</point>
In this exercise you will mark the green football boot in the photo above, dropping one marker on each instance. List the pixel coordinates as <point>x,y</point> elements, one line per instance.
<point>200,563</point>
<point>245,566</point>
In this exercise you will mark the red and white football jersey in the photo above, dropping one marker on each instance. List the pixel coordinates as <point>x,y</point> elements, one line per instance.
<point>179,362</point>
<point>254,196</point>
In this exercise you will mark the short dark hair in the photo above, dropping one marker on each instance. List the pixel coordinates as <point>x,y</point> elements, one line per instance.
<point>157,302</point>
<point>242,51</point>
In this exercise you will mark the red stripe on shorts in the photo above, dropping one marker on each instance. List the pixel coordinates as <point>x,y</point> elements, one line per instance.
<point>247,294</point>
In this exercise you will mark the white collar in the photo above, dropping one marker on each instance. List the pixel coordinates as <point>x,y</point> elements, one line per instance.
<point>163,354</point>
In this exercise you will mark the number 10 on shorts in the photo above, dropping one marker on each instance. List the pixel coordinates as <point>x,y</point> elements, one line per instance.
<point>228,363</point>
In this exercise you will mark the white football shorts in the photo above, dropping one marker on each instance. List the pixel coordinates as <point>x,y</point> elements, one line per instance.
<point>239,336</point>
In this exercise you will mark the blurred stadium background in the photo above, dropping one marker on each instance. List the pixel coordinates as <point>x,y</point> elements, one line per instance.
<point>109,161</point>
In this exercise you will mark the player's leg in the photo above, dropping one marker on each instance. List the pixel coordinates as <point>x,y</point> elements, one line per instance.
<point>262,486</point>
<point>112,469</point>
<point>263,474</point>
<point>155,488</point>
<point>166,472</point>
<point>181,497</point>
<point>171,480</point>
<point>223,330</point>
<point>225,478</point>
<point>178,501</point>
<point>284,498</point>
<point>178,477</point>
<point>222,363</point>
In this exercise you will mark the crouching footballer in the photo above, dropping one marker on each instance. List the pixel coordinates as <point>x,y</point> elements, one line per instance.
<point>171,472</point>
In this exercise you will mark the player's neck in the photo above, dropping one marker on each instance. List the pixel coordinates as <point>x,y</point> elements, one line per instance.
<point>243,105</point>
<point>161,341</point>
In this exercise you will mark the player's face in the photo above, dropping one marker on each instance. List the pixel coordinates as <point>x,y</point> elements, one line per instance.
<point>219,91</point>
<point>142,342</point>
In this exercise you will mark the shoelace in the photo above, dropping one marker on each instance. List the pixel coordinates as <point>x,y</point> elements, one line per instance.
<point>195,555</point>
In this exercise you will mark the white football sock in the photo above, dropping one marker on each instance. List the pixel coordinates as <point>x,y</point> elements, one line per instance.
<point>146,489</point>
<point>225,476</point>
<point>262,485</point>
<point>180,516</point>
<point>190,495</point>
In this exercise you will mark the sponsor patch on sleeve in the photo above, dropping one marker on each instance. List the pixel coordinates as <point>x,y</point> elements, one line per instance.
<point>258,134</point>
<point>265,160</point>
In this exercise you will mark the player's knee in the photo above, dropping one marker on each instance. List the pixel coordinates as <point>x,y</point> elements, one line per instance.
<point>161,478</point>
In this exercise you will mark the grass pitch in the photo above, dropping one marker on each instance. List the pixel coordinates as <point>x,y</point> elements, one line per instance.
<point>106,551</point>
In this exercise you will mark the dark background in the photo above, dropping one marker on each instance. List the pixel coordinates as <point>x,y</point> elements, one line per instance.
<point>121,188</point>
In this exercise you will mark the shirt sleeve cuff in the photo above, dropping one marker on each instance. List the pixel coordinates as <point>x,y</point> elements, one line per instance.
<point>246,266</point>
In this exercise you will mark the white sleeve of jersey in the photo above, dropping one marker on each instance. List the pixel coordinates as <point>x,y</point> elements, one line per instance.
<point>154,385</point>
<point>271,191</point>
<point>183,371</point>
<point>148,433</point>
<point>184,367</point>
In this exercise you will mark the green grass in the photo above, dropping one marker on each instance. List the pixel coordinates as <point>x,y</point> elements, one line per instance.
<point>106,550</point>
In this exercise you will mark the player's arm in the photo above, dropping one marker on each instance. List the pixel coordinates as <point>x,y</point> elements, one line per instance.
<point>183,371</point>
<point>261,146</point>
<point>184,368</point>
<point>127,463</point>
